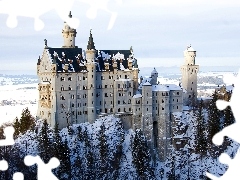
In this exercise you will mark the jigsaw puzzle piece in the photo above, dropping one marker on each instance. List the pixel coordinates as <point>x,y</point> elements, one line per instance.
<point>18,176</point>
<point>8,141</point>
<point>44,170</point>
<point>232,130</point>
<point>96,5</point>
<point>233,170</point>
<point>3,165</point>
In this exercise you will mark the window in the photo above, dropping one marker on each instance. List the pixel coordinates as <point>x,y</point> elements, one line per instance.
<point>72,96</point>
<point>62,98</point>
<point>69,88</point>
<point>177,100</point>
<point>147,109</point>
<point>118,85</point>
<point>177,93</point>
<point>118,102</point>
<point>105,86</point>
<point>72,104</point>
<point>62,78</point>
<point>119,94</point>
<point>129,109</point>
<point>162,108</point>
<point>119,109</point>
<point>62,88</point>
<point>177,107</point>
<point>125,76</point>
<point>106,95</point>
<point>69,78</point>
<point>129,101</point>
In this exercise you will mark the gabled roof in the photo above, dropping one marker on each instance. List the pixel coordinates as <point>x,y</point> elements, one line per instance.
<point>74,59</point>
<point>67,56</point>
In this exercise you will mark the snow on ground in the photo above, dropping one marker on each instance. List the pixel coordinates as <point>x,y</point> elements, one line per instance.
<point>15,98</point>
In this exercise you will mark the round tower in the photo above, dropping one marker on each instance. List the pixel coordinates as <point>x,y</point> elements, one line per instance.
<point>189,56</point>
<point>189,77</point>
<point>154,75</point>
<point>91,68</point>
<point>69,35</point>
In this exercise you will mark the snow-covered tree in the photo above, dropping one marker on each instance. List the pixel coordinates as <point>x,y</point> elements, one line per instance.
<point>214,122</point>
<point>44,143</point>
<point>141,156</point>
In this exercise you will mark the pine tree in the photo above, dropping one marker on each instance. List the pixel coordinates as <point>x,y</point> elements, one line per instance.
<point>27,121</point>
<point>90,171</point>
<point>214,123</point>
<point>103,151</point>
<point>44,143</point>
<point>16,126</point>
<point>201,142</point>
<point>62,152</point>
<point>141,156</point>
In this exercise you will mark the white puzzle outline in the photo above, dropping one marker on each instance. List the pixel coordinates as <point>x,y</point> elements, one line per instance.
<point>35,8</point>
<point>62,7</point>
<point>43,170</point>
<point>230,131</point>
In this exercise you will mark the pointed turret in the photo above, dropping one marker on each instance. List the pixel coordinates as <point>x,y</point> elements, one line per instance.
<point>70,14</point>
<point>90,45</point>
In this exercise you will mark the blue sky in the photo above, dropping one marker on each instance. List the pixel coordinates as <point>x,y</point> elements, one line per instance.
<point>157,29</point>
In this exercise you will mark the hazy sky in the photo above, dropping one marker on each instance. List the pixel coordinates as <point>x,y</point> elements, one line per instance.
<point>159,29</point>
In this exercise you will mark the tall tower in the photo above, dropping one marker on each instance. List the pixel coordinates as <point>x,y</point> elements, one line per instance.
<point>91,68</point>
<point>189,76</point>
<point>69,35</point>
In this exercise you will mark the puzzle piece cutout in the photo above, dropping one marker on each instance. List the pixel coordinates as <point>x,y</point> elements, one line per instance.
<point>36,8</point>
<point>230,131</point>
<point>8,141</point>
<point>233,172</point>
<point>101,5</point>
<point>18,176</point>
<point>44,170</point>
<point>3,165</point>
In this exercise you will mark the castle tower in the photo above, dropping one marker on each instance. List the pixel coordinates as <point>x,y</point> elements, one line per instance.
<point>154,75</point>
<point>147,123</point>
<point>189,76</point>
<point>69,35</point>
<point>91,68</point>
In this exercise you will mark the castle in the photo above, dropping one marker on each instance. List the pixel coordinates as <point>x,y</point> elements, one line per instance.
<point>77,86</point>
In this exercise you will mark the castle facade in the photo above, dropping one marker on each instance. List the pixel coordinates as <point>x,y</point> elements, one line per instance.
<point>77,86</point>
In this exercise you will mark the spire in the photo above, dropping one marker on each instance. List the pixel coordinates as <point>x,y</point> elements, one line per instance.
<point>70,14</point>
<point>90,45</point>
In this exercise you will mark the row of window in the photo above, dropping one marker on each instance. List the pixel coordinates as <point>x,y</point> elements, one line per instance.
<point>124,101</point>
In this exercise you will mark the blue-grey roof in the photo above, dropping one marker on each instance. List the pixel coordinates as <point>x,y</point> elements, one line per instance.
<point>73,57</point>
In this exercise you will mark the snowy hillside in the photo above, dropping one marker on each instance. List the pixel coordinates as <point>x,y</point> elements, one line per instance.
<point>104,150</point>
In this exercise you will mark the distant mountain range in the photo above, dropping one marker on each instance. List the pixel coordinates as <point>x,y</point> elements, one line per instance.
<point>146,71</point>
